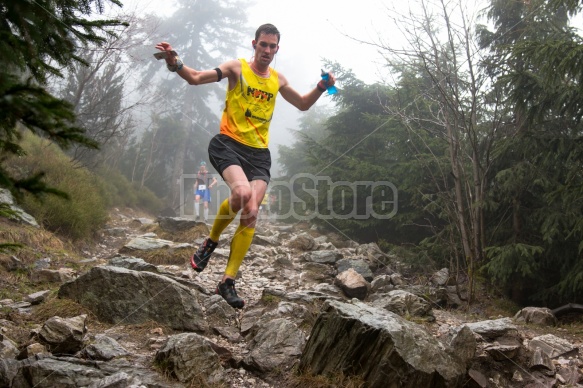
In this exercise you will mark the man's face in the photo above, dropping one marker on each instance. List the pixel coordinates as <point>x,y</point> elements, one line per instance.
<point>265,48</point>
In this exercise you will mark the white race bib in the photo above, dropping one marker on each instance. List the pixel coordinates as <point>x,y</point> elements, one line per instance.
<point>202,187</point>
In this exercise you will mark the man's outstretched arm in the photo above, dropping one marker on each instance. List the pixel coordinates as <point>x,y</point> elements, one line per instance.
<point>304,102</point>
<point>198,77</point>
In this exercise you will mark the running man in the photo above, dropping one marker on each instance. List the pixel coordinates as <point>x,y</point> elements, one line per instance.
<point>239,152</point>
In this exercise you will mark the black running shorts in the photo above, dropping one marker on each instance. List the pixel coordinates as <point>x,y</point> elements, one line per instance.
<point>225,151</point>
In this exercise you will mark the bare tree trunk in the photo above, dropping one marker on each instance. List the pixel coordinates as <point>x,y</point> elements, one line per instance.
<point>177,171</point>
<point>150,157</point>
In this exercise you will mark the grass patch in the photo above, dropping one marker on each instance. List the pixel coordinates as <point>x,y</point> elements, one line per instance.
<point>54,306</point>
<point>26,235</point>
<point>15,285</point>
<point>91,194</point>
<point>77,217</point>
<point>270,300</point>
<point>17,265</point>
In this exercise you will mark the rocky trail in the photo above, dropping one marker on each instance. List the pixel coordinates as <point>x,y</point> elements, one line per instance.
<point>316,304</point>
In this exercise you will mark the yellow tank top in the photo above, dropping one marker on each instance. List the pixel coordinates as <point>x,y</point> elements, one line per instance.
<point>249,107</point>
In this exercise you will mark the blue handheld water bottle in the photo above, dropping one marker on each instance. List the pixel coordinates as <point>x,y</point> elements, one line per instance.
<point>331,89</point>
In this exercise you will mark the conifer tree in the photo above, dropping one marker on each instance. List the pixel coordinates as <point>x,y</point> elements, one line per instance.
<point>37,39</point>
<point>536,250</point>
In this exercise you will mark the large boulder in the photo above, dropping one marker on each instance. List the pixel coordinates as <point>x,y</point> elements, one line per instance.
<point>51,371</point>
<point>381,347</point>
<point>119,295</point>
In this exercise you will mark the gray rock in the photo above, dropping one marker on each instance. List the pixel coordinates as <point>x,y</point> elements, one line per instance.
<point>232,334</point>
<point>462,342</point>
<point>441,277</point>
<point>373,254</point>
<point>265,240</point>
<point>117,380</point>
<point>143,221</point>
<point>60,275</point>
<point>56,372</point>
<point>478,378</point>
<point>308,296</point>
<point>276,344</point>
<point>322,257</point>
<point>541,361</point>
<point>379,345</point>
<point>50,371</point>
<point>536,315</point>
<point>8,348</point>
<point>250,317</point>
<point>104,348</point>
<point>63,335</point>
<point>18,214</point>
<point>177,224</point>
<point>33,350</point>
<point>18,305</point>
<point>382,283</point>
<point>492,329</point>
<point>402,303</point>
<point>37,297</point>
<point>119,295</point>
<point>329,289</point>
<point>358,265</point>
<point>316,272</point>
<point>190,358</point>
<point>133,263</point>
<point>352,284</point>
<point>502,352</point>
<point>218,312</point>
<point>553,346</point>
<point>116,231</point>
<point>147,243</point>
<point>293,310</point>
<point>303,242</point>
<point>43,263</point>
<point>397,280</point>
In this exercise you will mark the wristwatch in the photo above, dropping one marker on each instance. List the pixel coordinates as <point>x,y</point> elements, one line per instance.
<point>177,66</point>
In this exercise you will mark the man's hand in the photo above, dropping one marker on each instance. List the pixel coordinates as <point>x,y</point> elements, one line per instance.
<point>327,83</point>
<point>170,58</point>
<point>331,79</point>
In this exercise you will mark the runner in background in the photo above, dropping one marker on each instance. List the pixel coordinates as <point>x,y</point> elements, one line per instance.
<point>202,190</point>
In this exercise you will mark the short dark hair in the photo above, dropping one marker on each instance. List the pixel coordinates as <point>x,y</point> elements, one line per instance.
<point>268,29</point>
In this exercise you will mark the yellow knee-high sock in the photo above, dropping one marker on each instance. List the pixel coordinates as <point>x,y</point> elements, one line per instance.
<point>239,247</point>
<point>224,217</point>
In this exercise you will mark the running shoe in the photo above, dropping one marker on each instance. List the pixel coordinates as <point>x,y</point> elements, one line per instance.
<point>201,257</point>
<point>228,292</point>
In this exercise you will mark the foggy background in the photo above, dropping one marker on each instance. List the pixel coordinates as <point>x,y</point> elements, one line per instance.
<point>310,32</point>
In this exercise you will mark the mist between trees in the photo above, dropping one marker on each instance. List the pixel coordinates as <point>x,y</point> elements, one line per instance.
<point>478,130</point>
